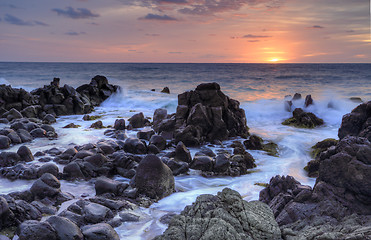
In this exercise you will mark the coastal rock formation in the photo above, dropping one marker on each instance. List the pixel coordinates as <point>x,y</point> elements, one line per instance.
<point>224,216</point>
<point>357,123</point>
<point>53,99</point>
<point>205,114</point>
<point>342,191</point>
<point>303,119</point>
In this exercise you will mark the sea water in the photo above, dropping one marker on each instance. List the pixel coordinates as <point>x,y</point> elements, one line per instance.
<point>260,88</point>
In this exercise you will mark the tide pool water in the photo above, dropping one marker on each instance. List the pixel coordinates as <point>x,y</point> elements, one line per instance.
<point>260,88</point>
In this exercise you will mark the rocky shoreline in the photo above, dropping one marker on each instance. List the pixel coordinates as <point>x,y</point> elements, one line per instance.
<point>204,116</point>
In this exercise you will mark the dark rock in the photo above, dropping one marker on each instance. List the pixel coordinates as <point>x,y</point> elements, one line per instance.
<point>35,230</point>
<point>357,123</point>
<point>158,141</point>
<point>69,153</point>
<point>154,178</point>
<point>38,133</point>
<point>73,171</point>
<point>308,101</point>
<point>96,213</point>
<point>288,106</point>
<point>167,218</point>
<point>8,159</point>
<point>100,231</point>
<point>135,146</point>
<point>225,216</point>
<point>297,96</point>
<point>152,149</point>
<point>83,154</point>
<point>4,142</point>
<point>206,114</point>
<point>303,119</point>
<point>46,186</point>
<point>71,125</point>
<point>166,90</point>
<point>138,120</point>
<point>24,135</point>
<point>128,217</point>
<point>13,114</point>
<point>182,153</point>
<point>106,185</point>
<point>145,134</point>
<point>119,124</point>
<point>253,143</point>
<point>25,154</point>
<point>65,228</point>
<point>177,167</point>
<point>97,160</point>
<point>48,168</point>
<point>221,163</point>
<point>14,138</point>
<point>43,208</point>
<point>158,116</point>
<point>49,119</point>
<point>206,152</point>
<point>97,125</point>
<point>203,163</point>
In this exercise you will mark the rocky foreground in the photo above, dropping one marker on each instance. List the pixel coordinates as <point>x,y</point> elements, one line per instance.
<point>338,207</point>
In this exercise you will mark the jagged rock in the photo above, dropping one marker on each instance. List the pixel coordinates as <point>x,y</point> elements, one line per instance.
<point>153,178</point>
<point>203,163</point>
<point>308,101</point>
<point>303,119</point>
<point>205,114</point>
<point>225,216</point>
<point>145,134</point>
<point>357,123</point>
<point>182,153</point>
<point>97,125</point>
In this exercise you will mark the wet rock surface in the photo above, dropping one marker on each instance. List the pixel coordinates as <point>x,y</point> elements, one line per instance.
<point>303,119</point>
<point>224,216</point>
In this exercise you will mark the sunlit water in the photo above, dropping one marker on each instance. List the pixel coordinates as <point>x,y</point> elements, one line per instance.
<point>259,88</point>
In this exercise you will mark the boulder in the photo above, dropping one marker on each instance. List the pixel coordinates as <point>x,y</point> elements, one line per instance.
<point>119,124</point>
<point>24,135</point>
<point>224,216</point>
<point>14,138</point>
<point>46,186</point>
<point>49,119</point>
<point>153,178</point>
<point>38,133</point>
<point>158,141</point>
<point>48,168</point>
<point>145,134</point>
<point>96,213</point>
<point>308,101</point>
<point>65,228</point>
<point>106,185</point>
<point>182,153</point>
<point>203,163</point>
<point>135,146</point>
<point>8,159</point>
<point>35,230</point>
<point>4,142</point>
<point>25,154</point>
<point>138,120</point>
<point>97,125</point>
<point>165,90</point>
<point>99,231</point>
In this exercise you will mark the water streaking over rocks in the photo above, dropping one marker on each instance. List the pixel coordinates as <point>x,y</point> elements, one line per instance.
<point>264,115</point>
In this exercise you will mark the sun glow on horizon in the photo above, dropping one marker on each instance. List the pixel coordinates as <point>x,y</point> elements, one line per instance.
<point>274,60</point>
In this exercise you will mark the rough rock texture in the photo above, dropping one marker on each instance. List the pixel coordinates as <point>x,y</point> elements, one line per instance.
<point>34,230</point>
<point>357,123</point>
<point>224,216</point>
<point>303,119</point>
<point>65,228</point>
<point>100,231</point>
<point>153,178</point>
<point>205,114</point>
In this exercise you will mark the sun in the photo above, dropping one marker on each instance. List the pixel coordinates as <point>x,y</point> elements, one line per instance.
<point>274,60</point>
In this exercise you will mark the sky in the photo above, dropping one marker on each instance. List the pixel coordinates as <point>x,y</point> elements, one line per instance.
<point>228,31</point>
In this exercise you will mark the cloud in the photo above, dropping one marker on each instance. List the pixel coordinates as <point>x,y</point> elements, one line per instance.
<point>175,52</point>
<point>71,33</point>
<point>151,16</point>
<point>79,13</point>
<point>255,36</point>
<point>202,7</point>
<point>17,21</point>
<point>316,27</point>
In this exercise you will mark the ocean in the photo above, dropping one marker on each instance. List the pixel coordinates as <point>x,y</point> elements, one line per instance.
<point>260,88</point>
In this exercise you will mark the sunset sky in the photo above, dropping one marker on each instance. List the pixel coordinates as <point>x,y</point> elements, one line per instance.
<point>185,30</point>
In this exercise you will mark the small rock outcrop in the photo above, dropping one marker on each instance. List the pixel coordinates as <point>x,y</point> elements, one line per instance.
<point>205,114</point>
<point>224,216</point>
<point>303,119</point>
